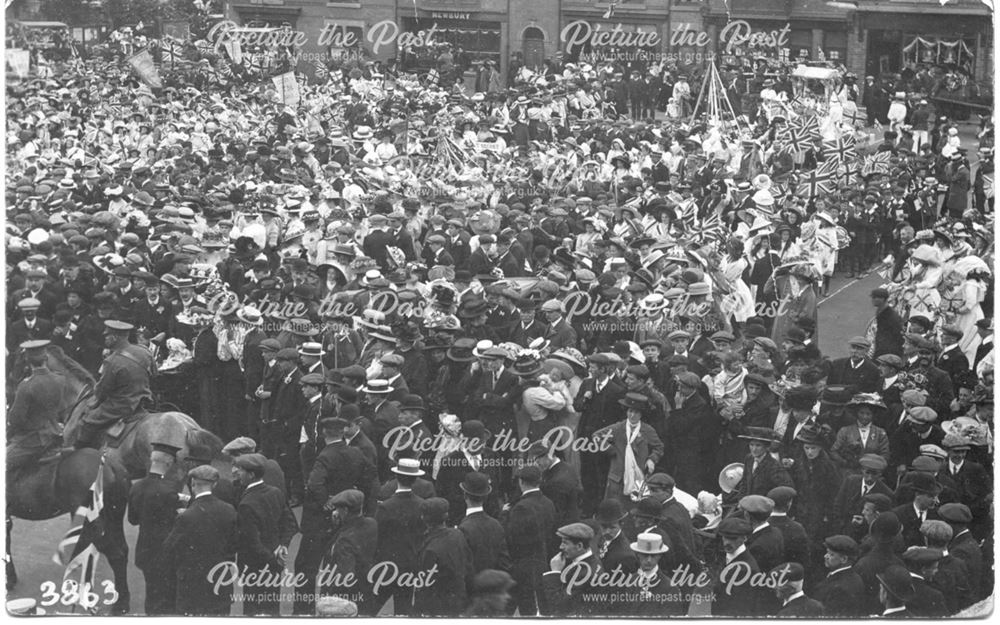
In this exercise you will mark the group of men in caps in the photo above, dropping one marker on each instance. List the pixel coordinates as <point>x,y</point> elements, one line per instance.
<point>381,346</point>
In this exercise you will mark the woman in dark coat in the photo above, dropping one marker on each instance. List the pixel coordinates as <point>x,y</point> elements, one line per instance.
<point>816,479</point>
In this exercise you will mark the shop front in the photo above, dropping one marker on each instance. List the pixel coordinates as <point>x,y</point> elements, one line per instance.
<point>898,42</point>
<point>473,38</point>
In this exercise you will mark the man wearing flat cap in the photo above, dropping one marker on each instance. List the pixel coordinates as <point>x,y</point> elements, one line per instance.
<point>857,369</point>
<point>919,354</point>
<point>849,502</point>
<point>352,549</point>
<point>30,327</point>
<point>203,536</point>
<point>965,547</point>
<point>445,549</point>
<point>789,578</point>
<point>840,589</point>
<point>692,425</point>
<point>576,561</point>
<point>952,359</point>
<point>266,527</point>
<point>123,390</point>
<point>928,601</point>
<point>740,599</point>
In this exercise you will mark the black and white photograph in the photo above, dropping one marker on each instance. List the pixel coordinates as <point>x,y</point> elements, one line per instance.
<point>507,309</point>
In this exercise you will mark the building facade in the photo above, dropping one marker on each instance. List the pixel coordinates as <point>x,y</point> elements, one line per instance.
<point>866,36</point>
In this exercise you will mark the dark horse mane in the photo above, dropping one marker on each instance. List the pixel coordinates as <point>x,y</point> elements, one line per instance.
<point>204,444</point>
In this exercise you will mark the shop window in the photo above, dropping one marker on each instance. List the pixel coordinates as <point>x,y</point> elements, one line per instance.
<point>835,46</point>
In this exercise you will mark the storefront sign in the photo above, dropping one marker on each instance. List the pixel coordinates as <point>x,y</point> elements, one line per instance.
<point>450,15</point>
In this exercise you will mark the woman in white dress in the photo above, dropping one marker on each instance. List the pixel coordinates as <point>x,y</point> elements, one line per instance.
<point>960,303</point>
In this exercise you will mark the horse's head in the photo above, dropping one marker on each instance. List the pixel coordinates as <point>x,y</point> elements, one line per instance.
<point>79,384</point>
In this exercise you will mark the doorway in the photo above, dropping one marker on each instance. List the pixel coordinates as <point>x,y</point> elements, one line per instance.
<point>533,47</point>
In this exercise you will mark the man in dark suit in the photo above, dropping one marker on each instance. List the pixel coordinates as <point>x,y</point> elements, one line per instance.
<point>761,472</point>
<point>984,328</point>
<point>376,244</point>
<point>266,526</point>
<point>400,531</point>
<point>789,577</point>
<point>458,242</point>
<point>793,534</point>
<point>575,560</point>
<point>742,599</point>
<point>765,542</point>
<point>919,356</point>
<point>530,527</point>
<point>612,543</point>
<point>338,467</point>
<point>30,327</point>
<point>480,262</point>
<point>560,333</point>
<point>597,401</point>
<point>951,576</point>
<point>152,505</point>
<point>952,360</point>
<point>483,533</point>
<point>840,589</point>
<point>888,325</point>
<point>896,592</point>
<point>928,602</point>
<point>203,537</point>
<point>964,545</point>
<point>400,237</point>
<point>353,549</point>
<point>439,255</point>
<point>912,515</point>
<point>489,391</point>
<point>446,550</point>
<point>971,481</point>
<point>856,370</point>
<point>688,424</point>
<point>884,532</point>
<point>475,455</point>
<point>560,483</point>
<point>528,328</point>
<point>152,313</point>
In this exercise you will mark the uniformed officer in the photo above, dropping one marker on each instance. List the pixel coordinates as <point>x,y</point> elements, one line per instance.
<point>123,389</point>
<point>34,419</point>
<point>152,505</point>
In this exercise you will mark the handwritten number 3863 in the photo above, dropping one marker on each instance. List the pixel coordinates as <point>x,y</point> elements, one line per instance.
<point>70,594</point>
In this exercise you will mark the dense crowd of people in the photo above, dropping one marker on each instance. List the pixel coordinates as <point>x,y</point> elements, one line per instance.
<point>511,335</point>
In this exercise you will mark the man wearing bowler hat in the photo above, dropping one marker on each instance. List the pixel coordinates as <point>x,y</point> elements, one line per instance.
<point>530,528</point>
<point>896,592</point>
<point>612,544</point>
<point>922,508</point>
<point>123,389</point>
<point>474,454</point>
<point>445,549</point>
<point>483,533</point>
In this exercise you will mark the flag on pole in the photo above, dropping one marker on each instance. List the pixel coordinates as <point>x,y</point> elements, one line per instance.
<point>80,542</point>
<point>877,163</point>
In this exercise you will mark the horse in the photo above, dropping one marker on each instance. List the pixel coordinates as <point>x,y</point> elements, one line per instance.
<point>134,445</point>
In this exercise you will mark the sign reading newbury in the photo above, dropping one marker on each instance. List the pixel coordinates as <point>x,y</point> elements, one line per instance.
<point>736,33</point>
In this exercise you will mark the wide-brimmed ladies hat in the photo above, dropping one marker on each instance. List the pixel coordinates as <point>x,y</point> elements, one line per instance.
<point>867,399</point>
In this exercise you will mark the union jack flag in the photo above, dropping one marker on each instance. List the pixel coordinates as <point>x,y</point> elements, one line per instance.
<point>712,229</point>
<point>809,126</point>
<point>795,138</point>
<point>171,51</point>
<point>877,163</point>
<point>988,185</point>
<point>851,174</point>
<point>78,549</point>
<point>842,150</point>
<point>854,118</point>
<point>819,181</point>
<point>688,215</point>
